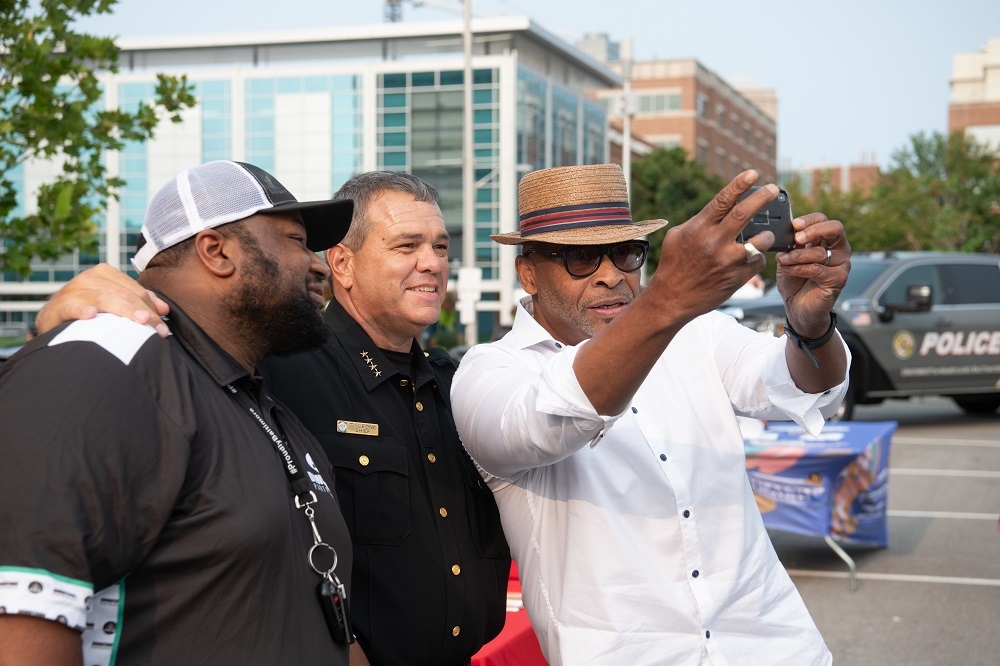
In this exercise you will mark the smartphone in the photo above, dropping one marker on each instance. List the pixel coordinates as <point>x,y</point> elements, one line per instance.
<point>775,217</point>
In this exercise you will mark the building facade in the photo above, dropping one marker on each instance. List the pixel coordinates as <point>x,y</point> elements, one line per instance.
<point>847,178</point>
<point>975,94</point>
<point>682,103</point>
<point>314,107</point>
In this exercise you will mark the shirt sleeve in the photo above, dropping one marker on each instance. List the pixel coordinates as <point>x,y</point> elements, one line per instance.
<point>513,416</point>
<point>90,468</point>
<point>755,372</point>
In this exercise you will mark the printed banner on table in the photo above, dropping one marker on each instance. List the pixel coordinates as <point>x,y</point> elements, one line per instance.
<point>835,484</point>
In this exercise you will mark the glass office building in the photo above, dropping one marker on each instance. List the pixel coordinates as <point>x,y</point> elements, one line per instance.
<point>315,107</point>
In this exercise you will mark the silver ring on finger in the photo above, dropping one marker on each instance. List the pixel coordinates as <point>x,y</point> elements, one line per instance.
<point>829,254</point>
<point>752,251</point>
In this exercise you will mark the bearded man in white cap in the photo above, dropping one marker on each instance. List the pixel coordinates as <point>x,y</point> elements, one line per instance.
<point>604,423</point>
<point>165,509</point>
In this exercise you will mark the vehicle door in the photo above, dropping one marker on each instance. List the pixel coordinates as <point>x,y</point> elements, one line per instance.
<point>896,341</point>
<point>969,344</point>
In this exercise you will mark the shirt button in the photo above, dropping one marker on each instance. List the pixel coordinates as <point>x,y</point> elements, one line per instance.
<point>403,382</point>
<point>663,456</point>
<point>558,346</point>
<point>456,630</point>
<point>364,461</point>
<point>687,514</point>
<point>444,512</point>
<point>420,406</point>
<point>635,410</point>
<point>433,458</point>
<point>708,634</point>
<point>694,573</point>
<point>455,569</point>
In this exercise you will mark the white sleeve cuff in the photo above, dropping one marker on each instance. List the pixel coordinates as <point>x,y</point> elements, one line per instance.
<point>809,410</point>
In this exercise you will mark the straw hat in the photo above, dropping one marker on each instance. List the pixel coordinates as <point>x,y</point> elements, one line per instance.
<point>578,205</point>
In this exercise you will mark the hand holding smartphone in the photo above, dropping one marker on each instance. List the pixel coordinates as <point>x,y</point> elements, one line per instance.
<point>775,217</point>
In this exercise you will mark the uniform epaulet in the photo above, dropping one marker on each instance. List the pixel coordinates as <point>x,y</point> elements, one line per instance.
<point>440,357</point>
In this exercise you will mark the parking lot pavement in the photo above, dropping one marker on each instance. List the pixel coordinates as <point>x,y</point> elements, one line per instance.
<point>933,596</point>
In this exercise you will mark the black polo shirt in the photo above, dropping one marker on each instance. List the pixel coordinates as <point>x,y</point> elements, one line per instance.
<point>141,504</point>
<point>430,558</point>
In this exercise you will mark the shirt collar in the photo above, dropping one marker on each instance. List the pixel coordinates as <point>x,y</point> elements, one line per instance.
<point>220,366</point>
<point>366,358</point>
<point>527,333</point>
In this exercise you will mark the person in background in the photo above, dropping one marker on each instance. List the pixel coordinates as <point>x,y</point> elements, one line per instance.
<point>430,559</point>
<point>444,332</point>
<point>156,514</point>
<point>753,288</point>
<point>604,423</point>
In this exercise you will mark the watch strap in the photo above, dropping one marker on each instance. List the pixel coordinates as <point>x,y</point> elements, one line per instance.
<point>808,344</point>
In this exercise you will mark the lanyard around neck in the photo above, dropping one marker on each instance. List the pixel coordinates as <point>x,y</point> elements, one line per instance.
<point>296,476</point>
<point>332,593</point>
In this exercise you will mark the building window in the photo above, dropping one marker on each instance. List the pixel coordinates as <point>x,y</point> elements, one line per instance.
<point>703,106</point>
<point>530,119</point>
<point>720,116</point>
<point>564,127</point>
<point>702,153</point>
<point>659,103</point>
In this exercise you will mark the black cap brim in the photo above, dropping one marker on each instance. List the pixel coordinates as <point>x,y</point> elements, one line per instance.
<point>327,222</point>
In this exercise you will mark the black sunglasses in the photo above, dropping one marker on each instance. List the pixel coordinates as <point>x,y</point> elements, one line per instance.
<point>584,260</point>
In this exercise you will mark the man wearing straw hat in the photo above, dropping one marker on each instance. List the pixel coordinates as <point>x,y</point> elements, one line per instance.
<point>605,423</point>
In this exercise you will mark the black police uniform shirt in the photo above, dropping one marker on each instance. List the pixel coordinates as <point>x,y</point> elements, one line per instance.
<point>142,505</point>
<point>430,558</point>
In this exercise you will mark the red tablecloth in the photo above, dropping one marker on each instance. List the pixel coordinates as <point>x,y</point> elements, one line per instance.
<point>516,644</point>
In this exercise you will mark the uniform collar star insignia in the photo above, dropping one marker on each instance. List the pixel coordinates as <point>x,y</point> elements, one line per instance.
<point>371,364</point>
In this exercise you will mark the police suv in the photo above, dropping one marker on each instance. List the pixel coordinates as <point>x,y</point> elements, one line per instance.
<point>917,323</point>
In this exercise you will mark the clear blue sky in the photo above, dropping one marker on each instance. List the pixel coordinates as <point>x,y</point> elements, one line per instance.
<point>854,78</point>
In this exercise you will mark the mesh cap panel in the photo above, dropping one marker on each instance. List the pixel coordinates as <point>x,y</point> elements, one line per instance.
<point>243,195</point>
<point>166,222</point>
<point>216,193</point>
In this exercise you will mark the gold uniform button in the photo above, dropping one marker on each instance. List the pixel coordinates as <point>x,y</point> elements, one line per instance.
<point>364,461</point>
<point>456,630</point>
<point>455,569</point>
<point>444,512</point>
<point>420,406</point>
<point>403,382</point>
<point>433,458</point>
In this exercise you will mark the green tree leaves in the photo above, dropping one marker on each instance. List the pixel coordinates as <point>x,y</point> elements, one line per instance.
<point>665,184</point>
<point>51,108</point>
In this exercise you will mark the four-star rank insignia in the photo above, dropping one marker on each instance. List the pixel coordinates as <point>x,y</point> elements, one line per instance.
<point>371,364</point>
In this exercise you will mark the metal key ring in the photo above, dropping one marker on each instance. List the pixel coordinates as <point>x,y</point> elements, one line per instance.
<point>323,572</point>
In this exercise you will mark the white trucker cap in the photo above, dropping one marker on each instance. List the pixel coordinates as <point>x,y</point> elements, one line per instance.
<point>216,193</point>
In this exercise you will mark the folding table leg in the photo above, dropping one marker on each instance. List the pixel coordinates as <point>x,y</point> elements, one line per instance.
<point>847,558</point>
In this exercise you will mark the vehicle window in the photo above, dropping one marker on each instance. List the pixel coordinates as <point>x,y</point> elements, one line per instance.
<point>965,284</point>
<point>895,293</point>
<point>862,274</point>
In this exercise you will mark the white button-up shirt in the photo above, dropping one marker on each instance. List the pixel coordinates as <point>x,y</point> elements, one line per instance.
<point>636,536</point>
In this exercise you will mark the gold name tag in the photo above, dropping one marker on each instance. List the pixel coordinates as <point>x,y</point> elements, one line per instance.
<point>357,428</point>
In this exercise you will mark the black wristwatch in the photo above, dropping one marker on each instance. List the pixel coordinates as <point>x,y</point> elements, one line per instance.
<point>808,344</point>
